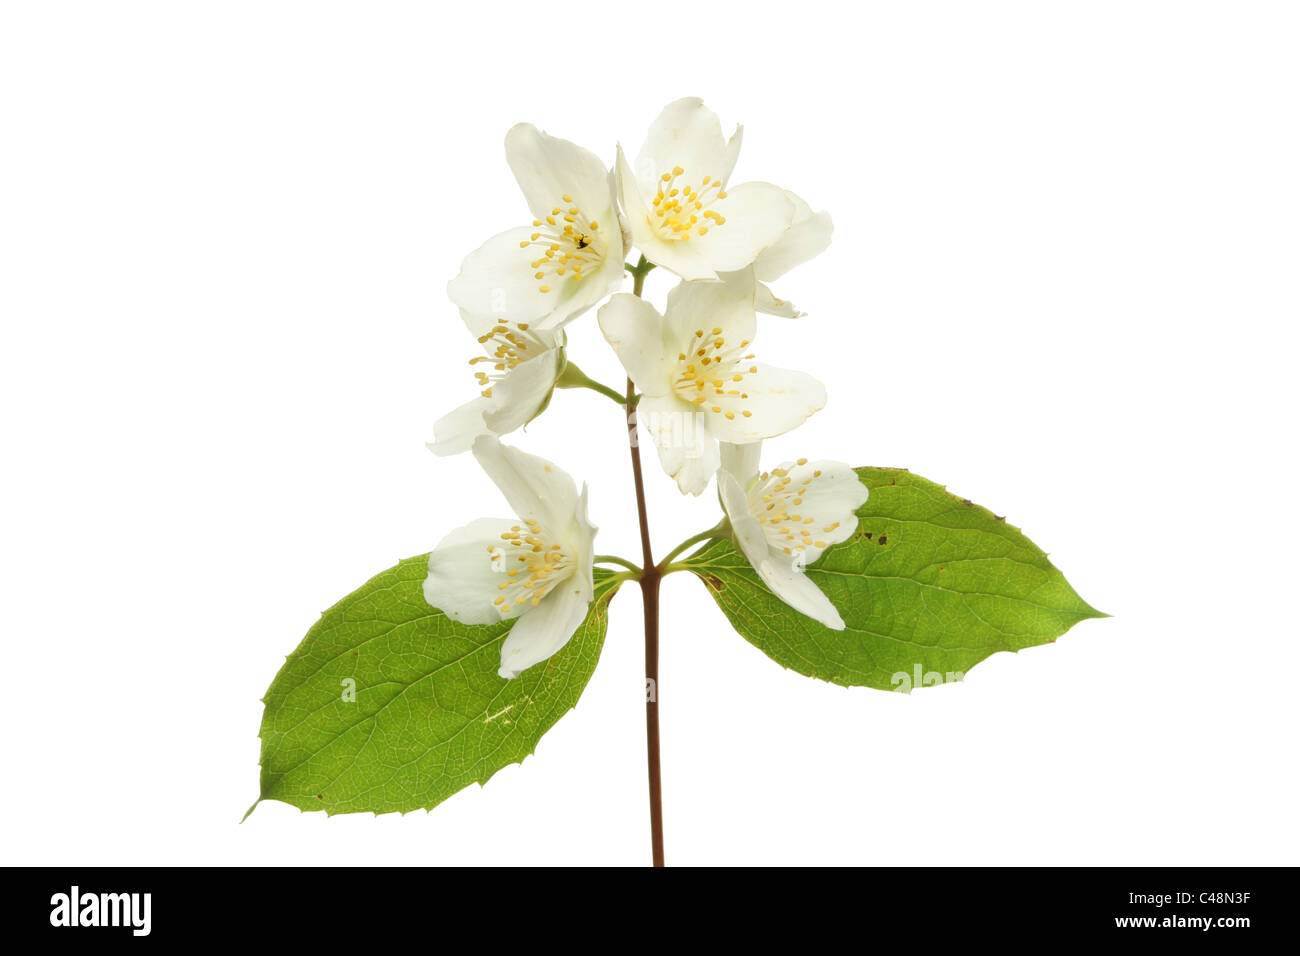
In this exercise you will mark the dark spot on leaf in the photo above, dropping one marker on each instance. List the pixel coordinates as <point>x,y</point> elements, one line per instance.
<point>883,539</point>
<point>713,581</point>
<point>320,797</point>
<point>967,502</point>
<point>867,534</point>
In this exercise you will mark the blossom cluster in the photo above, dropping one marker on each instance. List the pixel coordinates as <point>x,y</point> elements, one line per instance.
<point>694,362</point>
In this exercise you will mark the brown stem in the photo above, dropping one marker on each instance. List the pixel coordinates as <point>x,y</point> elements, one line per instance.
<point>650,577</point>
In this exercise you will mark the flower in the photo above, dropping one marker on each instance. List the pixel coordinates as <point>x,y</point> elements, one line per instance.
<point>524,364</point>
<point>536,569</point>
<point>568,259</point>
<point>679,211</point>
<point>808,236</point>
<point>784,519</point>
<point>698,380</point>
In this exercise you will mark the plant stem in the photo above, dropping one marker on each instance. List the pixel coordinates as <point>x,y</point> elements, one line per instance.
<point>650,577</point>
<point>650,611</point>
<point>615,559</point>
<point>574,377</point>
<point>639,272</point>
<point>720,530</point>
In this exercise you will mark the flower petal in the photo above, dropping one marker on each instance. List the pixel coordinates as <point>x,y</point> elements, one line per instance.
<point>741,461</point>
<point>687,452</point>
<point>705,305</point>
<point>638,335</point>
<point>518,397</point>
<point>827,500</point>
<point>744,526</point>
<point>629,192</point>
<point>686,134</point>
<point>808,236</point>
<point>756,215</point>
<point>576,296</point>
<point>776,399</point>
<point>687,259</point>
<point>544,629</point>
<point>534,487</point>
<point>496,279</point>
<point>733,153</point>
<point>766,302</point>
<point>583,551</point>
<point>462,582</point>
<point>548,168</point>
<point>679,257</point>
<point>455,432</point>
<point>793,587</point>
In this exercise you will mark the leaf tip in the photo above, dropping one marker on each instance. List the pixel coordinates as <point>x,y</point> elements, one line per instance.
<point>249,811</point>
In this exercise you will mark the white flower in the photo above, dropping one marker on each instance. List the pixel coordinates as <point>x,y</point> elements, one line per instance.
<point>568,259</point>
<point>784,519</point>
<point>680,212</point>
<point>536,569</point>
<point>698,381</point>
<point>516,377</point>
<point>808,236</point>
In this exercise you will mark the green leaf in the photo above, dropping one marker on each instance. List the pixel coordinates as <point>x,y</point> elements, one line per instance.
<point>928,586</point>
<point>430,715</point>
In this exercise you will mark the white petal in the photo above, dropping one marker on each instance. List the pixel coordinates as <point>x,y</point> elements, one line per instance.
<point>698,469</point>
<point>480,325</point>
<point>744,526</point>
<point>576,296</point>
<point>835,495</point>
<point>741,461</point>
<point>544,629</point>
<point>455,432</point>
<point>777,400</point>
<point>525,389</point>
<point>496,280</point>
<point>808,236</point>
<point>629,196</point>
<point>461,582</point>
<point>706,305</point>
<point>765,301</point>
<point>756,216</point>
<point>690,260</point>
<point>688,454</point>
<point>583,551</point>
<point>686,134</point>
<point>637,333</point>
<point>548,168</point>
<point>733,153</point>
<point>830,494</point>
<point>679,257</point>
<point>534,487</point>
<point>794,588</point>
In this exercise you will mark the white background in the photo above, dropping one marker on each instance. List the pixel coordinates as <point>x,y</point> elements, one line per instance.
<point>1063,283</point>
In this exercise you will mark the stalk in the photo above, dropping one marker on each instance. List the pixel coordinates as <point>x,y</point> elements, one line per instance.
<point>651,575</point>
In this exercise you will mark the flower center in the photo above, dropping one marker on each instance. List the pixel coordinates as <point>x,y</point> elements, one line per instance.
<point>507,347</point>
<point>774,500</point>
<point>681,211</point>
<point>712,371</point>
<point>570,245</point>
<point>532,564</point>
